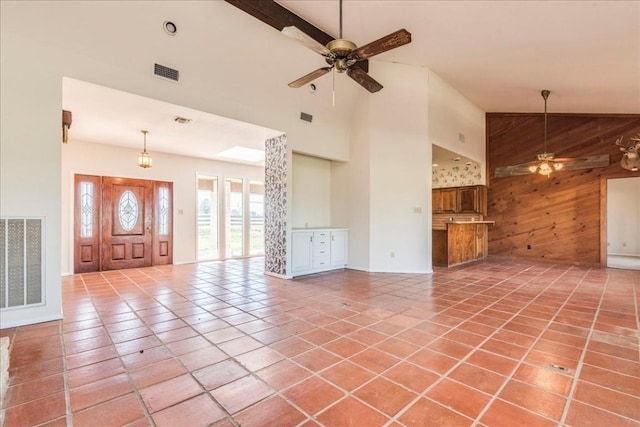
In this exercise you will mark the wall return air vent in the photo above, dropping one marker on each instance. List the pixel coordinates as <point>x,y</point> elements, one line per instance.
<point>166,72</point>
<point>306,117</point>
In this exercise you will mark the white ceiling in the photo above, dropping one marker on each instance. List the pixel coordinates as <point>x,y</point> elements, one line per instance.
<point>499,54</point>
<point>107,116</point>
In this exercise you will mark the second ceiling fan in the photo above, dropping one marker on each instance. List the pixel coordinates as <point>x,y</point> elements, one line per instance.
<point>342,54</point>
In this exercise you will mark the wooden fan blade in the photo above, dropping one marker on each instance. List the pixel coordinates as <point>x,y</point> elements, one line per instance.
<point>364,79</point>
<point>310,77</point>
<point>588,162</point>
<point>521,169</point>
<point>306,40</point>
<point>393,40</point>
<point>568,159</point>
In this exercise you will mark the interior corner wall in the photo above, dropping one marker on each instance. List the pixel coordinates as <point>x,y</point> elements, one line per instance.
<point>311,192</point>
<point>350,188</point>
<point>450,115</point>
<point>400,170</point>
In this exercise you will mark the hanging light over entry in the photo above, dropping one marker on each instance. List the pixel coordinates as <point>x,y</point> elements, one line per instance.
<point>144,158</point>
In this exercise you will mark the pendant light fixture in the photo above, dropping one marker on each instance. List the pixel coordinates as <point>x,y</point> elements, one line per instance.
<point>546,163</point>
<point>144,159</point>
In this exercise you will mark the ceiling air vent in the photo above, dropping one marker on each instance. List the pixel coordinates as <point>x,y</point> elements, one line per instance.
<point>306,117</point>
<point>166,72</point>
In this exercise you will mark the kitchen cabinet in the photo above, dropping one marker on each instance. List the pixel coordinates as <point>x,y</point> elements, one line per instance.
<point>317,250</point>
<point>466,200</point>
<point>339,247</point>
<point>302,251</point>
<point>444,200</point>
<point>459,243</point>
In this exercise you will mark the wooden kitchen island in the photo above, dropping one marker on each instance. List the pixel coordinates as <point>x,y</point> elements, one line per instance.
<point>460,242</point>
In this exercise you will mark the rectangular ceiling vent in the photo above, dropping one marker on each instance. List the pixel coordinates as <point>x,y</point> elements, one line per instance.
<point>306,117</point>
<point>166,72</point>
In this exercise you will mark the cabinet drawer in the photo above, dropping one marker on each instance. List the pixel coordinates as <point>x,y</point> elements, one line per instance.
<point>320,238</point>
<point>321,251</point>
<point>322,262</point>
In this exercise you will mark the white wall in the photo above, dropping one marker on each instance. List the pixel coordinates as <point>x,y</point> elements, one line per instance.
<point>30,158</point>
<point>311,193</point>
<point>107,160</point>
<point>351,189</point>
<point>450,114</point>
<point>623,216</point>
<point>400,170</point>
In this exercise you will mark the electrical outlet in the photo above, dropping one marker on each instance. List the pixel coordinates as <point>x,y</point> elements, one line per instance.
<point>180,212</point>
<point>417,210</point>
<point>624,244</point>
<point>393,254</point>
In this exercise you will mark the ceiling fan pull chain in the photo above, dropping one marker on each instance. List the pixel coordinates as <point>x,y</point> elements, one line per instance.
<point>333,90</point>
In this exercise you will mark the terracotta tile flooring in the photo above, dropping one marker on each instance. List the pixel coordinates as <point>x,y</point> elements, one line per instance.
<point>499,343</point>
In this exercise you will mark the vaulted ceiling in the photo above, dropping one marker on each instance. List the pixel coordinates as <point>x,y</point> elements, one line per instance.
<point>499,54</point>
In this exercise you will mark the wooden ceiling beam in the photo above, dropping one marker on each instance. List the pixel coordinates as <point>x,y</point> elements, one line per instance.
<point>271,13</point>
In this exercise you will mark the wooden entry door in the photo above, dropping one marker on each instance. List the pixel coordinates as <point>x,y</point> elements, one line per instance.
<point>127,223</point>
<point>122,223</point>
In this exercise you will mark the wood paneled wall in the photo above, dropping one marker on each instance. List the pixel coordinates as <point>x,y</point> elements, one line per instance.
<point>560,216</point>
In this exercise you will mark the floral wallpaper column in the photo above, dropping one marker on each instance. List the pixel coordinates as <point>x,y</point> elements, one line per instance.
<point>275,193</point>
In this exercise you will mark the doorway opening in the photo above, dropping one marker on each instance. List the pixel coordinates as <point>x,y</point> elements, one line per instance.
<point>623,223</point>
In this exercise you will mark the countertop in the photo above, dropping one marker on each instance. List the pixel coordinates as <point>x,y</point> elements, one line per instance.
<point>318,228</point>
<point>470,222</point>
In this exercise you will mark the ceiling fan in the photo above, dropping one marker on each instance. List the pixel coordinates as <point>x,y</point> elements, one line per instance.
<point>547,162</point>
<point>342,54</point>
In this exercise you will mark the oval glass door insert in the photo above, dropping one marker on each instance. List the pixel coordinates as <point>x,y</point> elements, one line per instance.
<point>128,210</point>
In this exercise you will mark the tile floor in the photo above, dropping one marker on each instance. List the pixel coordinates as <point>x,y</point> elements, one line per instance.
<point>500,343</point>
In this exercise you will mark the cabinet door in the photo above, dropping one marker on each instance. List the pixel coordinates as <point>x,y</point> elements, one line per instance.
<point>480,241</point>
<point>449,199</point>
<point>482,200</point>
<point>468,200</point>
<point>436,200</point>
<point>339,248</point>
<point>301,244</point>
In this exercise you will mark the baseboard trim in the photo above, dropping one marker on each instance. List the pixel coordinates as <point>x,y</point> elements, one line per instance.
<point>31,321</point>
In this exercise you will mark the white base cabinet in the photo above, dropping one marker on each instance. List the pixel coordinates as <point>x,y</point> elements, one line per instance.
<point>319,249</point>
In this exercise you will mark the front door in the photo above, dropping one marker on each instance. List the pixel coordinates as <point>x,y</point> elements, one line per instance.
<point>122,223</point>
<point>127,223</point>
